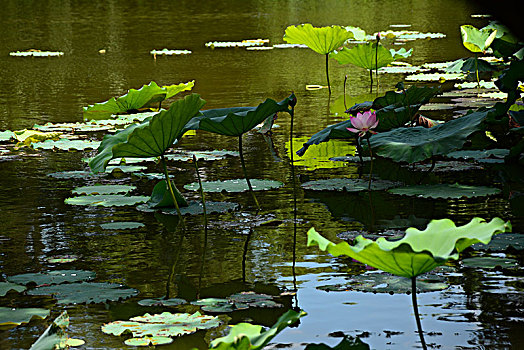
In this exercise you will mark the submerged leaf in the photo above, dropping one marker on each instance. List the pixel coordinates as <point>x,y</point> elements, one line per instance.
<point>445,191</point>
<point>85,292</point>
<point>122,225</point>
<point>418,251</point>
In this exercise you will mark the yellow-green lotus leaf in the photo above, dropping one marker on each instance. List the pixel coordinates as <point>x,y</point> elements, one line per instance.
<point>322,40</point>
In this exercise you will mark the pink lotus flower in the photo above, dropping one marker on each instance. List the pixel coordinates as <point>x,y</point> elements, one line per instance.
<point>363,123</point>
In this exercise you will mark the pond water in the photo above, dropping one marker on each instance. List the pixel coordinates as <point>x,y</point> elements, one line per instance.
<point>480,309</point>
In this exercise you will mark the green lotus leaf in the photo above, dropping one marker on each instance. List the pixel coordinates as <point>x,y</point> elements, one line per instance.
<point>11,317</point>
<point>440,77</point>
<point>162,302</point>
<point>470,85</point>
<point>135,99</point>
<point>238,120</point>
<point>243,43</point>
<point>122,225</point>
<point>479,154</point>
<point>103,189</point>
<point>6,135</point>
<point>106,200</point>
<point>477,40</point>
<point>161,197</point>
<point>72,127</point>
<point>148,341</point>
<point>253,337</point>
<point>80,293</point>
<point>468,65</point>
<point>217,305</point>
<point>36,53</point>
<point>347,343</point>
<point>55,336</point>
<point>401,53</point>
<point>502,242</point>
<point>64,259</point>
<point>29,136</point>
<point>505,43</point>
<point>414,35</point>
<point>7,286</point>
<point>510,78</point>
<point>418,251</point>
<point>364,56</point>
<point>75,174</point>
<point>236,301</point>
<point>234,185</point>
<point>489,262</point>
<point>125,168</point>
<point>168,52</point>
<point>445,166</point>
<point>419,143</point>
<point>402,70</point>
<point>445,191</point>
<point>194,208</point>
<point>66,145</point>
<point>52,277</point>
<point>348,185</point>
<point>437,107</point>
<point>322,40</point>
<point>201,155</point>
<point>162,325</point>
<point>384,283</point>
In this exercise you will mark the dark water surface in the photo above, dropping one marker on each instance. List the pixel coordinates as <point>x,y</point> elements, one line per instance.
<point>35,224</point>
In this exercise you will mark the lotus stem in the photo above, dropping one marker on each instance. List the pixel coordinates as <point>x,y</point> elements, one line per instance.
<point>415,309</point>
<point>376,61</point>
<point>477,71</point>
<point>173,267</point>
<point>359,150</point>
<point>244,255</point>
<point>170,186</point>
<point>371,78</point>
<point>345,80</point>
<point>201,190</point>
<point>245,172</point>
<point>370,164</point>
<point>327,72</point>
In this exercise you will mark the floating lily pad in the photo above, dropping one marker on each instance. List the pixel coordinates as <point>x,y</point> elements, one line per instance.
<point>201,155</point>
<point>125,168</point>
<point>290,46</point>
<point>163,325</point>
<point>217,305</point>
<point>36,53</point>
<point>148,341</point>
<point>65,144</point>
<point>62,259</point>
<point>502,242</point>
<point>122,225</point>
<point>53,277</point>
<point>243,43</point>
<point>472,85</point>
<point>6,135</point>
<point>103,189</point>
<point>7,286</point>
<point>234,185</point>
<point>418,35</point>
<point>440,77</point>
<point>193,208</point>
<point>162,302</point>
<point>403,70</point>
<point>106,200</point>
<point>80,293</point>
<point>75,174</point>
<point>259,48</point>
<point>445,191</point>
<point>72,127</point>
<point>476,154</point>
<point>436,106</point>
<point>348,185</point>
<point>238,301</point>
<point>385,283</point>
<point>489,262</point>
<point>30,136</point>
<point>437,65</point>
<point>447,166</point>
<point>167,52</point>
<point>12,317</point>
<point>494,95</point>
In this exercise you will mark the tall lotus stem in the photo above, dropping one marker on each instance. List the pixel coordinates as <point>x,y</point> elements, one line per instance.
<point>173,267</point>
<point>245,172</point>
<point>370,163</point>
<point>345,80</point>
<point>170,187</point>
<point>376,59</point>
<point>415,309</point>
<point>371,79</point>
<point>201,190</point>
<point>327,72</point>
<point>477,71</point>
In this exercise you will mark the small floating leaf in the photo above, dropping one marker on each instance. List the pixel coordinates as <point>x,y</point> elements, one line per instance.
<point>75,174</point>
<point>12,317</point>
<point>234,185</point>
<point>445,191</point>
<point>7,286</point>
<point>162,302</point>
<point>489,262</point>
<point>36,53</point>
<point>479,154</point>
<point>148,341</point>
<point>502,242</point>
<point>80,293</point>
<point>167,52</point>
<point>348,185</point>
<point>106,200</point>
<point>243,43</point>
<point>440,77</point>
<point>103,189</point>
<point>6,135</point>
<point>62,259</point>
<point>193,208</point>
<point>122,225</point>
<point>66,145</point>
<point>53,277</point>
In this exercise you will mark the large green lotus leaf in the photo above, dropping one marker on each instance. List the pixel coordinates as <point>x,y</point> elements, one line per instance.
<point>490,262</point>
<point>322,40</point>
<point>7,286</point>
<point>384,283</point>
<point>418,251</point>
<point>234,185</point>
<point>247,336</point>
<point>6,135</point>
<point>348,185</point>
<point>122,225</point>
<point>476,40</point>
<point>162,302</point>
<point>165,324</point>
<point>66,145</point>
<point>80,293</point>
<point>445,191</point>
<point>103,189</point>
<point>135,99</point>
<point>419,143</point>
<point>148,341</point>
<point>53,277</point>
<point>11,317</point>
<point>364,56</point>
<point>467,65</point>
<point>55,336</point>
<point>164,128</point>
<point>238,120</point>
<point>106,200</point>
